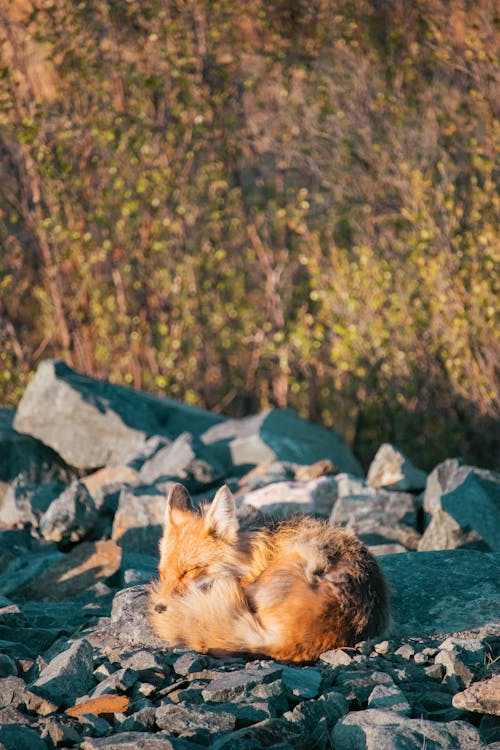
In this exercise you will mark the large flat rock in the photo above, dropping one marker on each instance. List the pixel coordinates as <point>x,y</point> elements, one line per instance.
<point>92,423</point>
<point>443,591</point>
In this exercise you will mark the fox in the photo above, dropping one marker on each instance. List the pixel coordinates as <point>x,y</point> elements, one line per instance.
<point>288,590</point>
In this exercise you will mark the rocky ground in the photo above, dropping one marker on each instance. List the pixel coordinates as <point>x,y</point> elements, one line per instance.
<point>84,468</point>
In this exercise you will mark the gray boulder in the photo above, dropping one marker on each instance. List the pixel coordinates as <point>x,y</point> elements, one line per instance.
<point>443,591</point>
<point>463,505</point>
<point>138,521</point>
<point>284,499</point>
<point>92,423</point>
<point>67,676</point>
<point>25,502</point>
<point>281,435</point>
<point>70,516</point>
<point>186,459</point>
<point>390,468</point>
<point>375,729</point>
<point>377,516</point>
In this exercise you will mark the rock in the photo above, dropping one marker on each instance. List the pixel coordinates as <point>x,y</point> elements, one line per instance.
<point>482,697</point>
<point>79,570</point>
<point>463,659</point>
<point>120,680</point>
<point>132,741</point>
<point>376,516</point>
<point>232,686</point>
<point>302,682</point>
<point>91,423</point>
<point>129,622</point>
<point>285,499</point>
<point>138,521</point>
<point>357,683</point>
<point>374,729</point>
<point>59,734</point>
<point>389,698</point>
<point>463,503</point>
<point>197,722</point>
<point>337,657</point>
<point>67,676</point>
<point>11,615</point>
<point>277,733</point>
<point>22,455</point>
<point>392,469</point>
<point>70,516</point>
<point>7,666</point>
<point>25,502</point>
<point>20,738</point>
<point>23,569</point>
<point>186,459</point>
<point>281,435</point>
<point>108,481</point>
<point>442,592</point>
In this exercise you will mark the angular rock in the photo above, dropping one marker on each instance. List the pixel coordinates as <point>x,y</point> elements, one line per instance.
<point>138,521</point>
<point>463,659</point>
<point>285,499</point>
<point>92,423</point>
<point>391,469</point>
<point>482,697</point>
<point>442,592</point>
<point>25,456</point>
<point>197,722</point>
<point>389,698</point>
<point>281,435</point>
<point>132,741</point>
<point>71,576</point>
<point>356,684</point>
<point>23,569</point>
<point>232,686</point>
<point>277,733</point>
<point>186,459</point>
<point>376,516</point>
<point>20,738</point>
<point>302,682</point>
<point>67,676</point>
<point>70,516</point>
<point>121,680</point>
<point>129,621</point>
<point>108,481</point>
<point>25,502</point>
<point>463,504</point>
<point>374,729</point>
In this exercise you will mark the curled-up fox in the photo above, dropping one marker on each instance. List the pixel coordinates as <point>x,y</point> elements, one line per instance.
<point>289,591</point>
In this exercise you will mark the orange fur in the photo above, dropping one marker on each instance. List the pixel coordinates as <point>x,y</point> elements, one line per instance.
<point>289,592</point>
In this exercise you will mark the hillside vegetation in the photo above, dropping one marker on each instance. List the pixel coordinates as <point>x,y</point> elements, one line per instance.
<point>245,204</point>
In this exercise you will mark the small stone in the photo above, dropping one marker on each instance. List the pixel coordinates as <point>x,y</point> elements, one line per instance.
<point>106,480</point>
<point>337,657</point>
<point>189,662</point>
<point>406,651</point>
<point>59,734</point>
<point>70,516</point>
<point>382,647</point>
<point>143,720</point>
<point>421,658</point>
<point>435,671</point>
<point>122,680</point>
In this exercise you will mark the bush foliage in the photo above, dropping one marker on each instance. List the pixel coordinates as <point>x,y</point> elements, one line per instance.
<point>253,204</point>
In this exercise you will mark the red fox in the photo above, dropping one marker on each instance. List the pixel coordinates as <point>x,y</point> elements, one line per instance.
<point>288,592</point>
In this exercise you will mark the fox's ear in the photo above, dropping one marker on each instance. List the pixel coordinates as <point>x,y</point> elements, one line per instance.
<point>178,504</point>
<point>220,515</point>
